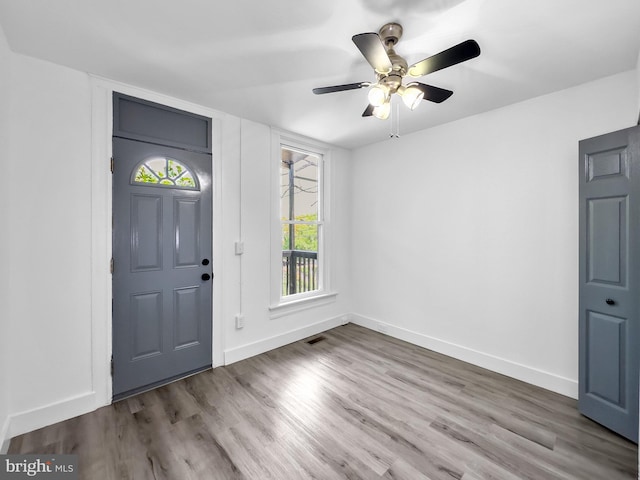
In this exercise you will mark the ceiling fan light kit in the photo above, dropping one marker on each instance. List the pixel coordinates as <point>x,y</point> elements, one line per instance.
<point>378,95</point>
<point>411,95</point>
<point>382,112</point>
<point>390,69</point>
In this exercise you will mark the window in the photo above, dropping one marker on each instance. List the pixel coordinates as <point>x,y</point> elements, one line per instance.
<point>300,220</point>
<point>164,172</point>
<point>300,250</point>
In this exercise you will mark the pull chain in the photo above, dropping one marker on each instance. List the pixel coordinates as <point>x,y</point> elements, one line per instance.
<point>395,116</point>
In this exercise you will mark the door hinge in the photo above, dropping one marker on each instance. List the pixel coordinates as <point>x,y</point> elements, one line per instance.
<point>112,365</point>
<point>111,165</point>
<point>111,266</point>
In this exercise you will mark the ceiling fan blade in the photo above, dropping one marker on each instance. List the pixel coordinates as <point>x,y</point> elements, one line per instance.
<point>373,50</point>
<point>459,53</point>
<point>340,88</point>
<point>368,111</point>
<point>434,94</point>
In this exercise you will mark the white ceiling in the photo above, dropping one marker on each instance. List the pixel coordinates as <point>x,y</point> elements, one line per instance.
<point>259,59</point>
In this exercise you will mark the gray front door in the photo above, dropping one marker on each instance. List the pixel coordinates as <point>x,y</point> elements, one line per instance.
<point>162,248</point>
<point>610,280</point>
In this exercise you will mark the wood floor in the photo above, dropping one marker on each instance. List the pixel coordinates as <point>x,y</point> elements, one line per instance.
<point>354,405</point>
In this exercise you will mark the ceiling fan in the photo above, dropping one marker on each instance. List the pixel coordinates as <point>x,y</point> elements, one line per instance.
<point>391,68</point>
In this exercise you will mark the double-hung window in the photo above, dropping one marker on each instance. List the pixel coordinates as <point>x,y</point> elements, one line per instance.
<point>300,263</point>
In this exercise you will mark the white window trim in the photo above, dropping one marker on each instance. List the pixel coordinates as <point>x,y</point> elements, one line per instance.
<point>279,305</point>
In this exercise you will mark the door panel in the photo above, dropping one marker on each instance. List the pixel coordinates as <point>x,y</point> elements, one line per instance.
<point>606,243</point>
<point>146,233</point>
<point>146,324</point>
<point>610,280</point>
<point>605,357</point>
<point>607,164</point>
<point>187,231</point>
<point>162,307</point>
<point>187,329</point>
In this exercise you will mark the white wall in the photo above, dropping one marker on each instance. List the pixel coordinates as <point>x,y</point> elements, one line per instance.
<point>5,232</point>
<point>50,191</point>
<point>52,260</point>
<point>465,236</point>
<point>252,224</point>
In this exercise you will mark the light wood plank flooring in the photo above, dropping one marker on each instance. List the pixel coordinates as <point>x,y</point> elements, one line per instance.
<point>357,404</point>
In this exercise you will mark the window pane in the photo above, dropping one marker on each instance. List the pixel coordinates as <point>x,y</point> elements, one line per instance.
<point>145,175</point>
<point>300,272</point>
<point>165,171</point>
<point>303,237</point>
<point>300,213</point>
<point>298,186</point>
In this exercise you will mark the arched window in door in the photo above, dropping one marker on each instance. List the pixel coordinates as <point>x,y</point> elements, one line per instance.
<point>165,172</point>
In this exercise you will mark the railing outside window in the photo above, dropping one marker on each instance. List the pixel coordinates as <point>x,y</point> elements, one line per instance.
<point>299,271</point>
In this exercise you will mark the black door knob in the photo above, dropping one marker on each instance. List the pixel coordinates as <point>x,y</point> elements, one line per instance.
<point>206,276</point>
<point>205,261</point>
<point>610,301</point>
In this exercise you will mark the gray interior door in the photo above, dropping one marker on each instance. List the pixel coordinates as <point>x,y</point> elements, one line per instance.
<point>162,245</point>
<point>609,280</point>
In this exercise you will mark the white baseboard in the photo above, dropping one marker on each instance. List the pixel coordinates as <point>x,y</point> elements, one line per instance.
<point>256,348</point>
<point>4,436</point>
<point>534,376</point>
<point>29,420</point>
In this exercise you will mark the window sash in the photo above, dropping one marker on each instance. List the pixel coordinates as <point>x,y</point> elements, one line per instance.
<point>321,153</point>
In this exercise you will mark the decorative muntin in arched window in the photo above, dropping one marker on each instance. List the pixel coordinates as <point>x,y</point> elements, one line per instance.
<point>165,172</point>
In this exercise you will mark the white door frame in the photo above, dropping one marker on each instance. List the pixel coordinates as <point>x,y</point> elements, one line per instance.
<point>101,229</point>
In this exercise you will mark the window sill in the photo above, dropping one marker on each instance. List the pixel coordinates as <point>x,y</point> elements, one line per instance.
<point>294,306</point>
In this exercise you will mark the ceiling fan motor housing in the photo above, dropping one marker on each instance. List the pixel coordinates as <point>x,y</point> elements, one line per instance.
<point>391,81</point>
<point>390,33</point>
